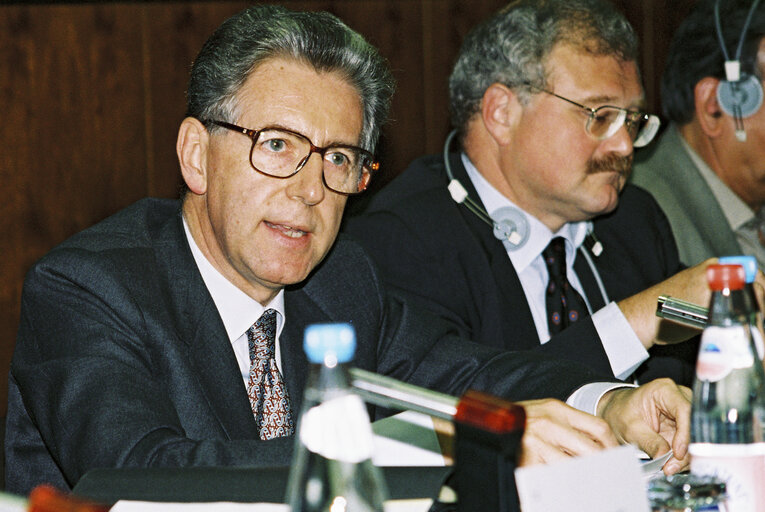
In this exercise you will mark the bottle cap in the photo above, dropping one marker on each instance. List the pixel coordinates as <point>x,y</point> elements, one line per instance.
<point>748,262</point>
<point>720,277</point>
<point>322,340</point>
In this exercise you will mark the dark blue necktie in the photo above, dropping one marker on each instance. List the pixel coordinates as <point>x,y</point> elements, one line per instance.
<point>564,304</point>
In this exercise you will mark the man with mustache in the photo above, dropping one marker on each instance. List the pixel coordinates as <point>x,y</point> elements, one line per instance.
<point>546,104</point>
<point>171,334</point>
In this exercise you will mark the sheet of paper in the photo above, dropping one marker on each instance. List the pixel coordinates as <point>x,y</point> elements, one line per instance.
<point>652,467</point>
<point>608,481</point>
<point>144,506</point>
<point>406,439</point>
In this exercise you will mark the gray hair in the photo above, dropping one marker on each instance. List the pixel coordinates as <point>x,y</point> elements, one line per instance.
<point>264,32</point>
<point>512,46</point>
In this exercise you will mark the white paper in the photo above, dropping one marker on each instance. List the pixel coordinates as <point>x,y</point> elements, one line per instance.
<point>420,505</point>
<point>608,481</point>
<point>406,439</point>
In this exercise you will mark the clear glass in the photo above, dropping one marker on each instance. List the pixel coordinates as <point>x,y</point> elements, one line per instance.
<point>603,122</point>
<point>686,493</point>
<point>332,468</point>
<point>281,153</point>
<point>729,398</point>
<point>728,409</point>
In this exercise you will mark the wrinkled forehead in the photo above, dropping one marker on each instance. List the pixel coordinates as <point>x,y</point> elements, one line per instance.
<point>593,77</point>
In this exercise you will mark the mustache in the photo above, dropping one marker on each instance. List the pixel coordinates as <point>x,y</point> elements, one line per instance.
<point>611,163</point>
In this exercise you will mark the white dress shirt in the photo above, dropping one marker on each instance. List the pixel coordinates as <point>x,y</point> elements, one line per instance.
<point>237,309</point>
<point>623,348</point>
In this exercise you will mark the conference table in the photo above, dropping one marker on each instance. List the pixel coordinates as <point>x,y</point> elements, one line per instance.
<point>249,485</point>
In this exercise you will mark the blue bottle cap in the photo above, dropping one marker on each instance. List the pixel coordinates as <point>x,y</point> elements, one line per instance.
<point>321,340</point>
<point>748,262</point>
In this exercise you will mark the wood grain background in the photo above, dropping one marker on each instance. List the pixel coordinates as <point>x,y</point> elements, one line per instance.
<point>91,95</point>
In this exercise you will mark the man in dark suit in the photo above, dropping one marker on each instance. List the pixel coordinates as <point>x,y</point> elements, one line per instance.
<point>170,334</point>
<point>545,100</point>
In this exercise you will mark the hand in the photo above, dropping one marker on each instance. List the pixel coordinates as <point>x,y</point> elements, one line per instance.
<point>555,431</point>
<point>654,417</point>
<point>640,309</point>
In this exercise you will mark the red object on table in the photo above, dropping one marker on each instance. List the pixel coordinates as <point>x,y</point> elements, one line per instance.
<point>46,498</point>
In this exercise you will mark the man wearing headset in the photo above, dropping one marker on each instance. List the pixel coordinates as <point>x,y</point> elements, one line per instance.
<point>710,182</point>
<point>546,103</point>
<point>145,340</point>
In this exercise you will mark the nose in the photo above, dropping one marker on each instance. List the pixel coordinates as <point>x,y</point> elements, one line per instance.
<point>619,143</point>
<point>307,185</point>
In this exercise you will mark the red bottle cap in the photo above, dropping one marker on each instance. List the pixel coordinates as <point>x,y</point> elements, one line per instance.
<point>720,277</point>
<point>490,413</point>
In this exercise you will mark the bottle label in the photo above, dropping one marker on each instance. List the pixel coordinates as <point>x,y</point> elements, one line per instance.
<point>338,429</point>
<point>740,466</point>
<point>723,349</point>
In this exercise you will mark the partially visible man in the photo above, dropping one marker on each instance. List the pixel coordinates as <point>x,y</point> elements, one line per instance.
<point>710,184</point>
<point>545,99</point>
<point>170,334</point>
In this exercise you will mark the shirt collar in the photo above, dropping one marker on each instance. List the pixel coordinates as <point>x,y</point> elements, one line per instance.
<point>237,309</point>
<point>539,235</point>
<point>736,211</point>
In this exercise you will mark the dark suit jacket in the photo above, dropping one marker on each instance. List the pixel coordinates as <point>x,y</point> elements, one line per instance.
<point>428,245</point>
<point>122,359</point>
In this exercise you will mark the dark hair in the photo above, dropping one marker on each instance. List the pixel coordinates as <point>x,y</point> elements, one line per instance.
<point>264,32</point>
<point>511,47</point>
<point>695,52</point>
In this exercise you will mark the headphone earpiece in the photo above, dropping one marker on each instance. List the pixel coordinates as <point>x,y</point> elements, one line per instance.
<point>742,98</point>
<point>510,227</point>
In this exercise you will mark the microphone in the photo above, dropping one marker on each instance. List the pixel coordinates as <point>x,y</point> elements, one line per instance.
<point>593,244</point>
<point>509,225</point>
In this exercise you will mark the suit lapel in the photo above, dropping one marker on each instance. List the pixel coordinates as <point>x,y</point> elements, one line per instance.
<point>696,196</point>
<point>300,311</point>
<point>588,281</point>
<point>200,327</point>
<point>518,326</point>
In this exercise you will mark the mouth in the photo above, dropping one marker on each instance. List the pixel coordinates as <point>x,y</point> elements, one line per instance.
<point>288,231</point>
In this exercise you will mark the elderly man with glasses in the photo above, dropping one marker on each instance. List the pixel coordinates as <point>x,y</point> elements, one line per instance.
<point>171,334</point>
<point>524,232</point>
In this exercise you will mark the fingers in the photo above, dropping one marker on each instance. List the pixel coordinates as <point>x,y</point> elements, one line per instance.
<point>555,431</point>
<point>654,417</point>
<point>675,465</point>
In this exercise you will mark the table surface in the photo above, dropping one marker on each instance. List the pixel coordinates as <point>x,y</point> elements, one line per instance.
<point>233,484</point>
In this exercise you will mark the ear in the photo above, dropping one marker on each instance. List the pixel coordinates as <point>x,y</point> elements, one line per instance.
<point>498,108</point>
<point>191,147</point>
<point>708,112</point>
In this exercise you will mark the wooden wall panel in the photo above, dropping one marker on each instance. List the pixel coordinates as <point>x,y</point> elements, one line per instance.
<point>72,133</point>
<point>172,35</point>
<point>92,93</point>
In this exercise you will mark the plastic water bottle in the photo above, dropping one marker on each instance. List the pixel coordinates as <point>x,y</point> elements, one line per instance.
<point>728,411</point>
<point>332,468</point>
<point>750,269</point>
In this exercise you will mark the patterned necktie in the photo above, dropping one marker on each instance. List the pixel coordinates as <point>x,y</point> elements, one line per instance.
<point>564,304</point>
<point>268,393</point>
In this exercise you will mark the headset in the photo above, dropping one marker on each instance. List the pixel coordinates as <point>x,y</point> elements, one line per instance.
<point>509,225</point>
<point>740,94</point>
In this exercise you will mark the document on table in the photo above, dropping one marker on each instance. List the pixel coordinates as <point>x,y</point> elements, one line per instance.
<point>142,506</point>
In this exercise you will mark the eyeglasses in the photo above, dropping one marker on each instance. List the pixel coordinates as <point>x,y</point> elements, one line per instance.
<point>281,153</point>
<point>603,122</point>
